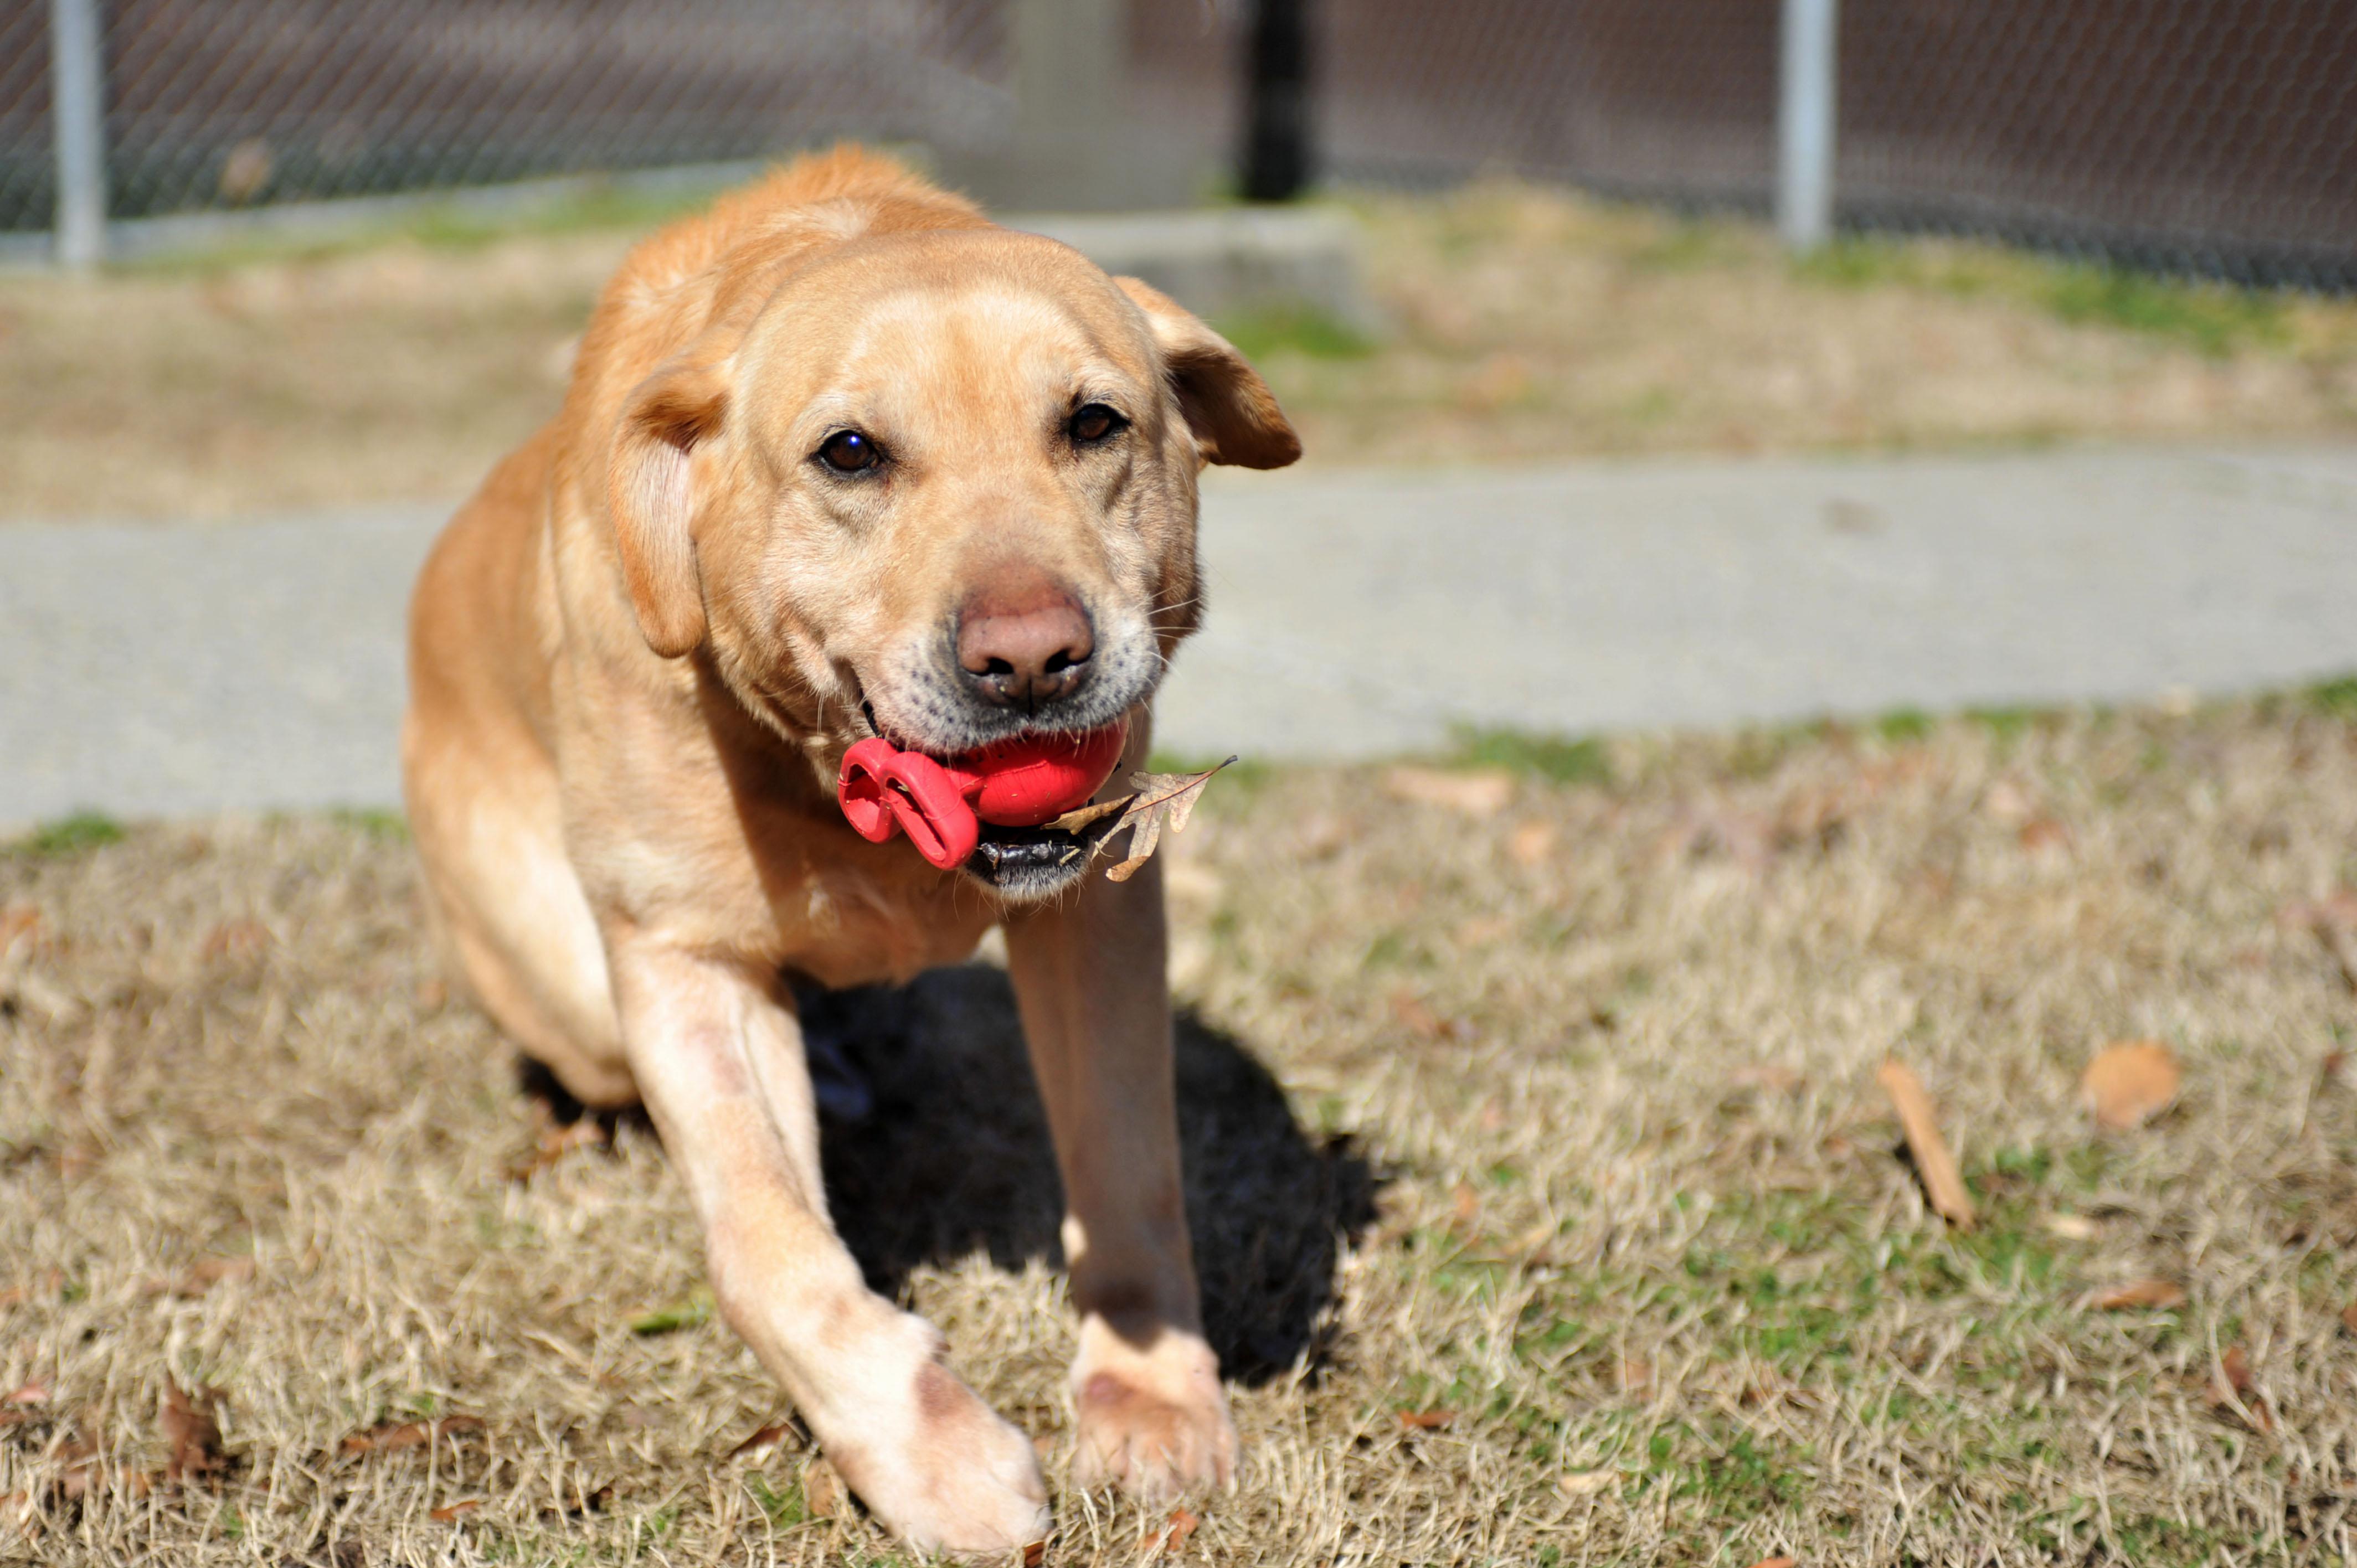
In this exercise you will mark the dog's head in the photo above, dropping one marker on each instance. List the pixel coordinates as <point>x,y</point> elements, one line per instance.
<point>942,489</point>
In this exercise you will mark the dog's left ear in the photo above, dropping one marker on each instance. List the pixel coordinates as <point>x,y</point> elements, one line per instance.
<point>1233,415</point>
<point>651,494</point>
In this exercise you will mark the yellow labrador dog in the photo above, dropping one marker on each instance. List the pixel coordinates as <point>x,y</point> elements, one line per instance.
<point>840,458</point>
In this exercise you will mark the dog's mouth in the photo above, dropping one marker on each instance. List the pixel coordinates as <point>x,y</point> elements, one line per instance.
<point>1017,849</point>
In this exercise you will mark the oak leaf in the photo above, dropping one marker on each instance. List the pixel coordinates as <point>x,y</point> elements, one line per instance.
<point>2154,1293</point>
<point>1156,802</point>
<point>2130,1082</point>
<point>191,1427</point>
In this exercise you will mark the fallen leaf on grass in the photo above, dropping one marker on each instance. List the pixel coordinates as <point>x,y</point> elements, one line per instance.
<point>450,1512</point>
<point>2154,1293</point>
<point>2040,834</point>
<point>761,1441</point>
<point>1773,1563</point>
<point>1424,1420</point>
<point>2232,1392</point>
<point>555,1141</point>
<point>1585,1482</point>
<point>1156,800</point>
<point>191,1427</point>
<point>1636,1375</point>
<point>199,1277</point>
<point>692,1313</point>
<point>1411,1010</point>
<point>1171,1534</point>
<point>2130,1082</point>
<point>823,1494</point>
<point>387,1436</point>
<point>1480,792</point>
<point>1034,1553</point>
<point>1933,1163</point>
<point>1531,844</point>
<point>2349,1317</point>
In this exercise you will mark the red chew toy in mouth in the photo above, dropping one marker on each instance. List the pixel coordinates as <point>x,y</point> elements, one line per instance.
<point>942,806</point>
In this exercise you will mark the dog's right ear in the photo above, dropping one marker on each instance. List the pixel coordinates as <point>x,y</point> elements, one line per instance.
<point>651,494</point>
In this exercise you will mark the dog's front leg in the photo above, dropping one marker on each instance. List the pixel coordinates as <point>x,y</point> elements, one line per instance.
<point>720,1060</point>
<point>1088,974</point>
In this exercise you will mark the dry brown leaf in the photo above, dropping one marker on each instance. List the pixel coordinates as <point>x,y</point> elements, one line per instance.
<point>1171,1534</point>
<point>1532,844</point>
<point>2233,1390</point>
<point>2040,834</point>
<point>1477,792</point>
<point>1773,1563</point>
<point>1585,1482</point>
<point>1424,1420</point>
<point>1933,1164</point>
<point>1466,1204</point>
<point>18,923</point>
<point>555,1141</point>
<point>1160,800</point>
<point>2349,1317</point>
<point>1411,1010</point>
<point>761,1441</point>
<point>1034,1553</point>
<point>191,1427</point>
<point>2129,1082</point>
<point>1636,1375</point>
<point>450,1512</point>
<point>389,1435</point>
<point>823,1494</point>
<point>2157,1294</point>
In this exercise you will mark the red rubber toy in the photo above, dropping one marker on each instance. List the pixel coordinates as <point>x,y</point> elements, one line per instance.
<point>942,805</point>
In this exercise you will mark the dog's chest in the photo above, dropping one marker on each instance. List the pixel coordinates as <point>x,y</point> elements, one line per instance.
<point>845,926</point>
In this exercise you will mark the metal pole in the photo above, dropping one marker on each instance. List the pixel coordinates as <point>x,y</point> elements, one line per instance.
<point>1804,122</point>
<point>78,94</point>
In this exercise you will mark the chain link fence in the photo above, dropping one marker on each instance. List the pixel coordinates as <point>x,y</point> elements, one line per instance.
<point>2186,135</point>
<point>234,104</point>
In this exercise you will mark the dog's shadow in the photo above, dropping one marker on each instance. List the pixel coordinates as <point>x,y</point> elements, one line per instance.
<point>953,1156</point>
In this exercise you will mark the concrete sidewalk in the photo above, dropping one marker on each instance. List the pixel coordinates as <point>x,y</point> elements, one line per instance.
<point>156,671</point>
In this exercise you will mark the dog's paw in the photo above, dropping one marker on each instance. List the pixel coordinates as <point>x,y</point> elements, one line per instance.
<point>952,1477</point>
<point>1157,1424</point>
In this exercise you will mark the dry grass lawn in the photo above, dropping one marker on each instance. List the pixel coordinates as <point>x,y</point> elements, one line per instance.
<point>1549,1209</point>
<point>1523,323</point>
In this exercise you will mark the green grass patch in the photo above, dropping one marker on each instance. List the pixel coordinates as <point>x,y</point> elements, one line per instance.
<point>390,827</point>
<point>1314,334</point>
<point>2338,698</point>
<point>1560,759</point>
<point>71,835</point>
<point>2216,319</point>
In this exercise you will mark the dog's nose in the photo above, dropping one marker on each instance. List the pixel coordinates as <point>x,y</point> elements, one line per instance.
<point>1024,648</point>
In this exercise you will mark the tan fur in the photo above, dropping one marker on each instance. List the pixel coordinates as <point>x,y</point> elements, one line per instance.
<point>637,658</point>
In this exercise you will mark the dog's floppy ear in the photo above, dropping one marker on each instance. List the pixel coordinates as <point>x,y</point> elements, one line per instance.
<point>650,492</point>
<point>1233,415</point>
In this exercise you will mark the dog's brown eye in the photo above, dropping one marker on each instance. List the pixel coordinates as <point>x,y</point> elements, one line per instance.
<point>1093,422</point>
<point>848,451</point>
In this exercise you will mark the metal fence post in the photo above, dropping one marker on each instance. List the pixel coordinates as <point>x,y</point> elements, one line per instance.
<point>1807,94</point>
<point>77,96</point>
